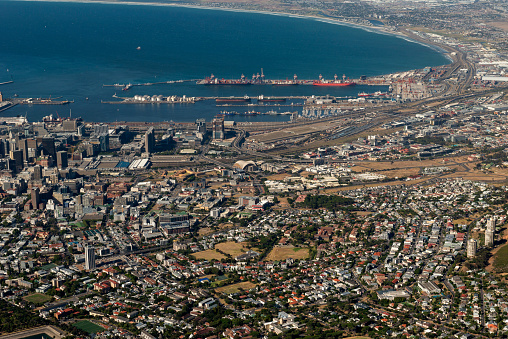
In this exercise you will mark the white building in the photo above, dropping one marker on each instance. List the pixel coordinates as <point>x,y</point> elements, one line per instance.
<point>89,258</point>
<point>471,248</point>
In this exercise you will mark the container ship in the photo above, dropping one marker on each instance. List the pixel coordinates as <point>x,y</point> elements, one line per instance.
<point>233,99</point>
<point>338,83</point>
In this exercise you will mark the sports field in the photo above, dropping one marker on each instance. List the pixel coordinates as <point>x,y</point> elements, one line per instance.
<point>37,298</point>
<point>88,327</point>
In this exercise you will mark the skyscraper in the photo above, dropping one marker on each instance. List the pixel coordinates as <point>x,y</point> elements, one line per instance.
<point>89,258</point>
<point>218,128</point>
<point>23,146</point>
<point>61,159</point>
<point>37,172</point>
<point>201,126</point>
<point>471,248</point>
<point>17,156</point>
<point>35,198</point>
<point>489,232</point>
<point>149,140</point>
<point>48,146</point>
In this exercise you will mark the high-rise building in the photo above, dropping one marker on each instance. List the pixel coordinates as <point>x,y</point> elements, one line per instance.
<point>218,128</point>
<point>35,198</point>
<point>104,142</point>
<point>491,224</point>
<point>89,258</point>
<point>61,159</point>
<point>1,97</point>
<point>150,140</point>
<point>17,156</point>
<point>23,146</point>
<point>490,232</point>
<point>201,126</point>
<point>489,237</point>
<point>471,248</point>
<point>37,172</point>
<point>48,147</point>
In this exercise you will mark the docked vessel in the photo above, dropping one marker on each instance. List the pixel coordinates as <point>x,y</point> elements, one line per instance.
<point>286,82</point>
<point>212,80</point>
<point>335,82</point>
<point>127,87</point>
<point>261,98</point>
<point>234,99</point>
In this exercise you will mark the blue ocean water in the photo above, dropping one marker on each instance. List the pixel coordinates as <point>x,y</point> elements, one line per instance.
<point>70,50</point>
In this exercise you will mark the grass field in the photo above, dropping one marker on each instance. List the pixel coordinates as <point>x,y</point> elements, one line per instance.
<point>209,255</point>
<point>247,285</point>
<point>88,326</point>
<point>37,298</point>
<point>283,253</point>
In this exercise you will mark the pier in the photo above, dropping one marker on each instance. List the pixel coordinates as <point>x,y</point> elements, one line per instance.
<point>40,101</point>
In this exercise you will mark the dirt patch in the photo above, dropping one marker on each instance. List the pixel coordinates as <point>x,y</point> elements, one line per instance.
<point>245,286</point>
<point>283,253</point>
<point>280,176</point>
<point>363,213</point>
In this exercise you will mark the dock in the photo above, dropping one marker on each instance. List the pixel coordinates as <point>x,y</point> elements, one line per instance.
<point>40,101</point>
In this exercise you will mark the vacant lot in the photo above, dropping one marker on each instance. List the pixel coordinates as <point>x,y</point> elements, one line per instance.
<point>401,173</point>
<point>209,255</point>
<point>37,298</point>
<point>384,165</point>
<point>88,326</point>
<point>283,253</point>
<point>500,24</point>
<point>232,248</point>
<point>247,285</point>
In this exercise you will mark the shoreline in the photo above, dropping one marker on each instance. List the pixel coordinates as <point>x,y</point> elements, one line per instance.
<point>332,21</point>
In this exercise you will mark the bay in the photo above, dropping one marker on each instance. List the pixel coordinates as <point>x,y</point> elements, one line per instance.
<point>70,50</point>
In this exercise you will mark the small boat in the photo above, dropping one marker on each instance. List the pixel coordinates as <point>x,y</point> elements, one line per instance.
<point>138,48</point>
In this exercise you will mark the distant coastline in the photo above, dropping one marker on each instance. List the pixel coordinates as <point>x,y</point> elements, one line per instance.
<point>333,21</point>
